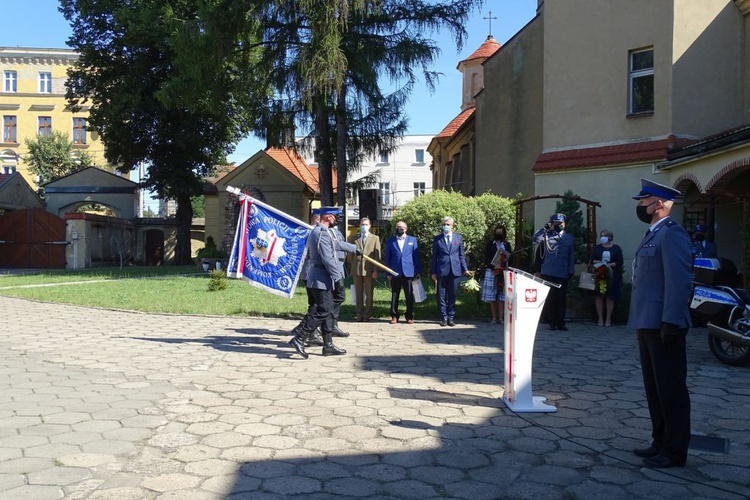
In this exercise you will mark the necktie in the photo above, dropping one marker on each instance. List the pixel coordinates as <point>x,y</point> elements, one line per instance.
<point>448,241</point>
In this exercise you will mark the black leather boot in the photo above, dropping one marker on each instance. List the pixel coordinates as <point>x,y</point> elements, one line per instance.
<point>314,338</point>
<point>298,342</point>
<point>329,349</point>
<point>338,332</point>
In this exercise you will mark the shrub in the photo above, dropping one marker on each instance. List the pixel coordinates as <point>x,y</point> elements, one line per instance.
<point>210,251</point>
<point>424,216</point>
<point>218,280</point>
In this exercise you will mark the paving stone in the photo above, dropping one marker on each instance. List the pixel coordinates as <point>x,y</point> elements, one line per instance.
<point>167,482</point>
<point>24,465</point>
<point>85,459</point>
<point>59,476</point>
<point>35,492</point>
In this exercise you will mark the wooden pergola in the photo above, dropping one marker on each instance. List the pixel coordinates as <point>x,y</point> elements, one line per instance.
<point>590,220</point>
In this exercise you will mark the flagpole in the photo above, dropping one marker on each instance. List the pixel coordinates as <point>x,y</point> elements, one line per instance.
<point>244,196</point>
<point>378,264</point>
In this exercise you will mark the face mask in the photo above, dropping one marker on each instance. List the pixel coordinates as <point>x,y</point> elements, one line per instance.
<point>498,236</point>
<point>641,211</point>
<point>604,240</point>
<point>446,228</point>
<point>558,228</point>
<point>364,229</point>
<point>400,231</point>
<point>699,237</point>
<point>338,219</point>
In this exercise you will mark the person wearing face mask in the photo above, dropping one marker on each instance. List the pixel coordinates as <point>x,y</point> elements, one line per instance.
<point>496,257</point>
<point>558,265</point>
<point>447,265</point>
<point>402,255</point>
<point>659,313</point>
<point>364,272</point>
<point>325,275</point>
<point>701,246</point>
<point>609,255</point>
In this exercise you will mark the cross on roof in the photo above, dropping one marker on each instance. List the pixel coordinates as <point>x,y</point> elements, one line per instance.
<point>490,17</point>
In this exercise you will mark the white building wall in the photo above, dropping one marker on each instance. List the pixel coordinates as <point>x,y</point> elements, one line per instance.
<point>401,172</point>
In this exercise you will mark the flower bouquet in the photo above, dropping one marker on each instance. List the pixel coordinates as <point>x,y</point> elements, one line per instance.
<point>471,284</point>
<point>602,277</point>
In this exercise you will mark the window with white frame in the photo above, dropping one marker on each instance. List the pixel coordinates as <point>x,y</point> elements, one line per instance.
<point>419,155</point>
<point>79,130</point>
<point>45,83</point>
<point>419,189</point>
<point>383,157</point>
<point>385,192</point>
<point>10,82</point>
<point>10,126</point>
<point>44,126</point>
<point>641,81</point>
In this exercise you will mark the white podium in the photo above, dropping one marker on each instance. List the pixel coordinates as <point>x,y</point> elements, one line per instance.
<point>524,298</point>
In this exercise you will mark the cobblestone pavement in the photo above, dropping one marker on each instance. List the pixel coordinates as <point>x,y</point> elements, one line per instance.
<point>116,405</point>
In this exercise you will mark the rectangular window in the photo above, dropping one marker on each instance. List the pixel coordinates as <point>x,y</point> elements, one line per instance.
<point>419,155</point>
<point>10,83</point>
<point>45,83</point>
<point>641,81</point>
<point>45,126</point>
<point>9,169</point>
<point>9,129</point>
<point>385,193</point>
<point>383,157</point>
<point>79,131</point>
<point>419,189</point>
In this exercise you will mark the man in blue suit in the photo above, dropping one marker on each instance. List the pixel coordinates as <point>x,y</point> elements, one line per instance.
<point>402,255</point>
<point>662,279</point>
<point>447,265</point>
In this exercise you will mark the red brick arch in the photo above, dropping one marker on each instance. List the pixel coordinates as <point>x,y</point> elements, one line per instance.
<point>689,177</point>
<point>725,176</point>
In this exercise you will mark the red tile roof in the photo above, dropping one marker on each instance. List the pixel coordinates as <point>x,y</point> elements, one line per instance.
<point>456,123</point>
<point>489,47</point>
<point>221,172</point>
<point>633,152</point>
<point>293,162</point>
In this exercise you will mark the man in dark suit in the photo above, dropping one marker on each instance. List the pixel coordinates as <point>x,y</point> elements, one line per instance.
<point>662,276</point>
<point>402,255</point>
<point>447,265</point>
<point>701,246</point>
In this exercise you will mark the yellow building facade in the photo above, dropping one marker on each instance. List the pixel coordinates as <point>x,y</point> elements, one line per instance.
<point>32,103</point>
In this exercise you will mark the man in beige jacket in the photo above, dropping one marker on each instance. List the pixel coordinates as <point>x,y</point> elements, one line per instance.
<point>362,271</point>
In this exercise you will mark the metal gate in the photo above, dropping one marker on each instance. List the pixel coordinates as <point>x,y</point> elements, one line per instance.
<point>32,238</point>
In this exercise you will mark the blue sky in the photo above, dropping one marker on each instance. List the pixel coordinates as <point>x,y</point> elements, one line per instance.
<point>37,23</point>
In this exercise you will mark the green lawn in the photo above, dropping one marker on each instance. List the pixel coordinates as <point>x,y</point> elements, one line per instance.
<point>181,290</point>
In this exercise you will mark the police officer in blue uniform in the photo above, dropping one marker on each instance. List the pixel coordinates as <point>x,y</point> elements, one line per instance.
<point>558,265</point>
<point>701,246</point>
<point>325,274</point>
<point>662,276</point>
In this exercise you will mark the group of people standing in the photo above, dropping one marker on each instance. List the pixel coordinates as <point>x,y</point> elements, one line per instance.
<point>662,276</point>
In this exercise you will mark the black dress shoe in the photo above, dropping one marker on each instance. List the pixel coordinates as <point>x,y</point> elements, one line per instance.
<point>443,323</point>
<point>663,462</point>
<point>552,327</point>
<point>562,328</point>
<point>450,322</point>
<point>649,452</point>
<point>332,350</point>
<point>314,339</point>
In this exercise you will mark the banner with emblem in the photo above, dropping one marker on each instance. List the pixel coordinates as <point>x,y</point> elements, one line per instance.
<point>269,247</point>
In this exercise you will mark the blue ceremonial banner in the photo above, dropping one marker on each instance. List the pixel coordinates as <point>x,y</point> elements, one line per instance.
<point>269,248</point>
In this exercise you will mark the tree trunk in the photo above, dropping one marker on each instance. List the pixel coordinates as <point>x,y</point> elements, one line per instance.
<point>323,152</point>
<point>341,170</point>
<point>184,217</point>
